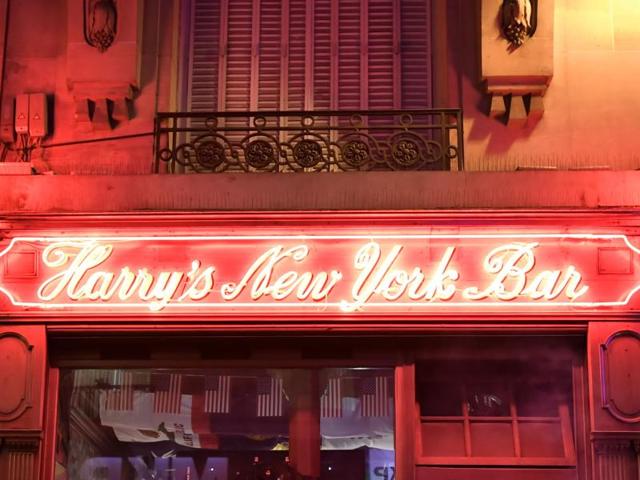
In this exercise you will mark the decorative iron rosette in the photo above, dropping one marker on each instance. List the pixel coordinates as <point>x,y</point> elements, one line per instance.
<point>308,151</point>
<point>261,153</point>
<point>410,151</point>
<point>206,153</point>
<point>358,151</point>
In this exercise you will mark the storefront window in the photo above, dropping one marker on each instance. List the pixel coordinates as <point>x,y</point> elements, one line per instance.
<point>219,424</point>
<point>495,412</point>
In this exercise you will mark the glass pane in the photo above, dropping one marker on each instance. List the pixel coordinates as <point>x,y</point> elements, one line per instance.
<point>443,439</point>
<point>491,439</point>
<point>541,439</point>
<point>537,399</point>
<point>357,423</point>
<point>174,424</point>
<point>439,398</point>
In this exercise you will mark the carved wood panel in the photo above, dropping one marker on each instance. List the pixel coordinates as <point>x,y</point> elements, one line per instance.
<point>619,364</point>
<point>614,459</point>
<point>15,382</point>
<point>614,357</point>
<point>19,458</point>
<point>22,369</point>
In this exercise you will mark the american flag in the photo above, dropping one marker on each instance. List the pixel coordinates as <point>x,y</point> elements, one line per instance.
<point>217,393</point>
<point>120,396</point>
<point>374,397</point>
<point>167,396</point>
<point>270,402</point>
<point>331,400</point>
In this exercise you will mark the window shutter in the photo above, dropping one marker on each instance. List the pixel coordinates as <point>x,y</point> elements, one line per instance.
<point>322,55</point>
<point>381,61</point>
<point>296,66</point>
<point>319,54</point>
<point>269,54</point>
<point>349,55</point>
<point>238,66</point>
<point>416,53</point>
<point>205,38</point>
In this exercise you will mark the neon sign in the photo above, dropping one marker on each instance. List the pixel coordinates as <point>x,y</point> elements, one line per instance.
<point>340,273</point>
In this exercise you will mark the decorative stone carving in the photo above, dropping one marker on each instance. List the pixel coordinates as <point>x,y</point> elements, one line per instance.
<point>100,23</point>
<point>619,359</point>
<point>15,350</point>
<point>518,20</point>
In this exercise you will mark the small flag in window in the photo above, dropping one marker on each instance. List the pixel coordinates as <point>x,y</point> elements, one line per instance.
<point>331,400</point>
<point>374,397</point>
<point>119,397</point>
<point>217,393</point>
<point>167,396</point>
<point>270,401</point>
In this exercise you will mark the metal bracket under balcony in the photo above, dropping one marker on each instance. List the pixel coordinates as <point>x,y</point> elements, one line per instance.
<point>309,141</point>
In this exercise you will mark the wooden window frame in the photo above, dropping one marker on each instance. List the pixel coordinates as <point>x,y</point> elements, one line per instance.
<point>572,429</point>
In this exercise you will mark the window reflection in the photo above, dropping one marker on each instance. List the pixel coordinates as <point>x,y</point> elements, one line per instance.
<point>172,424</point>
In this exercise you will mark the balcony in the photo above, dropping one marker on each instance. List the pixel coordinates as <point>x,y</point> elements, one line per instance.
<point>288,142</point>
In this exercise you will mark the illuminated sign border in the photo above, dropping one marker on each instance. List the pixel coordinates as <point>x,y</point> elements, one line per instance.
<point>320,305</point>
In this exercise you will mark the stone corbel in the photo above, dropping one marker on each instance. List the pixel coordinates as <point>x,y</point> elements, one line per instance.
<point>101,106</point>
<point>516,74</point>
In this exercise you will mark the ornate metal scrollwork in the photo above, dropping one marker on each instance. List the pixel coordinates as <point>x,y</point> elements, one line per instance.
<point>309,141</point>
<point>100,23</point>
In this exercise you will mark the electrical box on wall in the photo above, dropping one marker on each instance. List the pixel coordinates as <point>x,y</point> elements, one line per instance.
<point>6,123</point>
<point>37,115</point>
<point>31,116</point>
<point>21,124</point>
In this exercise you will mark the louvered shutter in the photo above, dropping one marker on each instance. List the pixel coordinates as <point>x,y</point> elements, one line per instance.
<point>322,55</point>
<point>319,54</point>
<point>349,54</point>
<point>204,53</point>
<point>296,64</point>
<point>416,53</point>
<point>381,52</point>
<point>239,55</point>
<point>269,55</point>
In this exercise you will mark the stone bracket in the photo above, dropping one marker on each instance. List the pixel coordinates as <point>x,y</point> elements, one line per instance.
<point>102,107</point>
<point>516,110</point>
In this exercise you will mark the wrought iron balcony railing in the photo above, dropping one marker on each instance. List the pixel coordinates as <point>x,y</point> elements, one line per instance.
<point>309,141</point>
